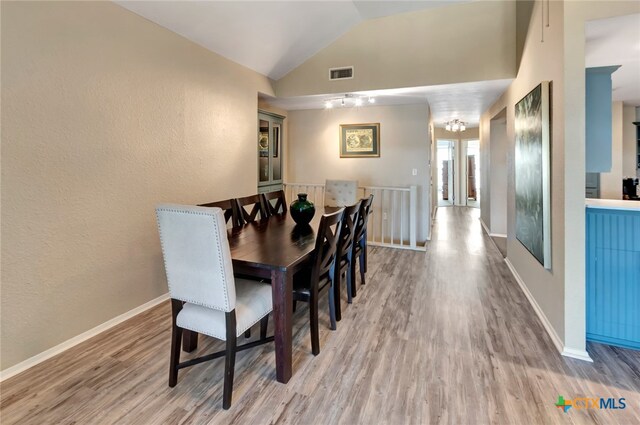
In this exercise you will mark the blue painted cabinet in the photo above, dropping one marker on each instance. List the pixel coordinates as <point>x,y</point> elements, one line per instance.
<point>613,277</point>
<point>598,119</point>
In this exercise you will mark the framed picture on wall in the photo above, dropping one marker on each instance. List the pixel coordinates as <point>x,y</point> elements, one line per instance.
<point>533,173</point>
<point>360,140</point>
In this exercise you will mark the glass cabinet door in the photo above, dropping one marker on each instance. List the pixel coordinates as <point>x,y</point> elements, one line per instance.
<point>276,154</point>
<point>263,152</point>
<point>270,161</point>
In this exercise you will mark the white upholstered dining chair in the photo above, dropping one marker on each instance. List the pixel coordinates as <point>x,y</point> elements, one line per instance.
<point>205,296</point>
<point>340,193</point>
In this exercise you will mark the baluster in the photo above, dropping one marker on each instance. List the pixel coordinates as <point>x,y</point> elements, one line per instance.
<point>401,218</point>
<point>379,214</point>
<point>375,217</point>
<point>381,192</point>
<point>393,215</point>
<point>413,215</point>
<point>364,195</point>
<point>382,214</point>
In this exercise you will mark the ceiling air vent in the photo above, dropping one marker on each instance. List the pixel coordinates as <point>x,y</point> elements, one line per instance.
<point>344,73</point>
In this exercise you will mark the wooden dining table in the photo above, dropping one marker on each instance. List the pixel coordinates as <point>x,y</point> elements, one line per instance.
<point>274,248</point>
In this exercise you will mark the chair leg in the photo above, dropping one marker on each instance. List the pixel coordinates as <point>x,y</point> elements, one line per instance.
<point>176,339</point>
<point>313,323</point>
<point>336,295</point>
<point>295,304</point>
<point>349,280</point>
<point>264,324</point>
<point>332,307</point>
<point>362,266</point>
<point>230,359</point>
<point>247,333</point>
<point>189,341</point>
<point>352,272</point>
<point>364,250</point>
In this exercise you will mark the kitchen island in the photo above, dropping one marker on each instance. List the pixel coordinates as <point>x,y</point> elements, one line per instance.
<point>613,272</point>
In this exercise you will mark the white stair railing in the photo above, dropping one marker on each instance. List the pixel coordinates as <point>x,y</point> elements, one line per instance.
<point>393,222</point>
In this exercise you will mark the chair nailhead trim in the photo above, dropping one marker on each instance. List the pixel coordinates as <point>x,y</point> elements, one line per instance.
<point>224,288</point>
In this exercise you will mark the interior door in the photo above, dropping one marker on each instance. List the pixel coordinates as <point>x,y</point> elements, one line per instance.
<point>445,157</point>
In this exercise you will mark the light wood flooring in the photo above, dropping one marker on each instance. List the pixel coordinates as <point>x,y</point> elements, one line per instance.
<point>444,336</point>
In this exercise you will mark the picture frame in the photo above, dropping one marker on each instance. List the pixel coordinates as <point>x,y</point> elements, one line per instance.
<point>533,172</point>
<point>360,140</point>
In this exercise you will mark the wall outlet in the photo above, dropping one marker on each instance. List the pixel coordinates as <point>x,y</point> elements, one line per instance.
<point>384,215</point>
<point>414,171</point>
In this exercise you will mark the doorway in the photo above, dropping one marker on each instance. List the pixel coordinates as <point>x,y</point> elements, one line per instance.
<point>473,173</point>
<point>446,178</point>
<point>498,151</point>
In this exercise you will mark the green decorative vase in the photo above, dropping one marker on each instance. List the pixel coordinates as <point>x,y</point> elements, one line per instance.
<point>302,210</point>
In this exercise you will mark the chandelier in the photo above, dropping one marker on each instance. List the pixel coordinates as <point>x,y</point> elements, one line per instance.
<point>348,100</point>
<point>455,125</point>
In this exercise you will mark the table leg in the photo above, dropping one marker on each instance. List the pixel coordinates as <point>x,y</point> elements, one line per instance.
<point>282,287</point>
<point>189,340</point>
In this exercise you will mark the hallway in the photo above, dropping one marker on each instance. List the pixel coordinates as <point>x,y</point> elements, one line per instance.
<point>444,336</point>
<point>498,351</point>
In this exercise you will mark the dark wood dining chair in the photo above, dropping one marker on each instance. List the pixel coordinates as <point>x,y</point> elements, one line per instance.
<point>345,260</point>
<point>360,243</point>
<point>275,202</point>
<point>252,208</point>
<point>320,274</point>
<point>206,297</point>
<point>230,209</point>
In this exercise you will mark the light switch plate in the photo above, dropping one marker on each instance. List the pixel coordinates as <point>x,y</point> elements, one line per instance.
<point>414,171</point>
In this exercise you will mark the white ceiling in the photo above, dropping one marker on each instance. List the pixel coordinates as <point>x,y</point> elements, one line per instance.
<point>274,37</point>
<point>465,101</point>
<point>270,37</point>
<point>616,41</point>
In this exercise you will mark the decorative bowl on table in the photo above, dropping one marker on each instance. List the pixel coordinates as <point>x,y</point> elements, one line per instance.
<point>302,210</point>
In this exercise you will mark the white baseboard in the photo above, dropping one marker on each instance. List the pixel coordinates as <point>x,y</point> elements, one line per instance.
<point>421,248</point>
<point>543,318</point>
<point>577,354</point>
<point>45,355</point>
<point>493,235</point>
<point>484,226</point>
<point>565,351</point>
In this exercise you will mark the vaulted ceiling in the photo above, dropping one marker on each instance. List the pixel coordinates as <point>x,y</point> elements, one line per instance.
<point>270,37</point>
<point>275,37</point>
